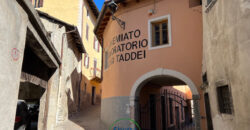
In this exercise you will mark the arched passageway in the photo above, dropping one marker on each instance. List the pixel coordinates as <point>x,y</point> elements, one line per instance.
<point>165,99</point>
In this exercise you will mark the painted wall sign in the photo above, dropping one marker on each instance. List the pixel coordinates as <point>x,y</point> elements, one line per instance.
<point>15,54</point>
<point>127,47</point>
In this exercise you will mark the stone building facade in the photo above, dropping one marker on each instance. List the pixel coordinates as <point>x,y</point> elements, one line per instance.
<point>65,95</point>
<point>28,59</point>
<point>82,14</point>
<point>226,80</point>
<point>41,63</point>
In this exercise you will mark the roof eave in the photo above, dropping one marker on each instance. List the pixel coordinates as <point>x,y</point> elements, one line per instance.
<point>99,19</point>
<point>68,26</point>
<point>93,7</point>
<point>101,16</point>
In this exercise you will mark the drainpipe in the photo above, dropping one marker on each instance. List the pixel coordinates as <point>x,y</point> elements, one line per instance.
<point>64,34</point>
<point>59,105</point>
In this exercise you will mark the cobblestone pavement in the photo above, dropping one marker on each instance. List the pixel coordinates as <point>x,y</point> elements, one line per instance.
<point>87,119</point>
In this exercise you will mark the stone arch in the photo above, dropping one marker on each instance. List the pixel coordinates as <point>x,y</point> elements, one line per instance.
<point>161,72</point>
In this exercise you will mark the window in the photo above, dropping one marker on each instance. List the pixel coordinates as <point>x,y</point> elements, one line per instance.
<point>88,13</point>
<point>224,99</point>
<point>160,32</point>
<point>85,87</point>
<point>87,31</point>
<point>37,3</point>
<point>171,110</point>
<point>106,60</point>
<point>50,33</point>
<point>86,61</point>
<point>95,66</point>
<point>96,45</point>
<point>204,78</point>
<point>93,95</point>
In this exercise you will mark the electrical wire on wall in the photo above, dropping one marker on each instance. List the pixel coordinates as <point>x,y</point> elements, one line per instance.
<point>152,11</point>
<point>154,6</point>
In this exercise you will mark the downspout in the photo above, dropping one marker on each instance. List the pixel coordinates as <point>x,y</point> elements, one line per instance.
<point>64,34</point>
<point>59,105</point>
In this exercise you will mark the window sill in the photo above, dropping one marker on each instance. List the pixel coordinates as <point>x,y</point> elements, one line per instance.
<point>225,116</point>
<point>159,47</point>
<point>210,5</point>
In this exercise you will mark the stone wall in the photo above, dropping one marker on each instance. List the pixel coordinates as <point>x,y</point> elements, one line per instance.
<point>13,27</point>
<point>65,87</point>
<point>226,51</point>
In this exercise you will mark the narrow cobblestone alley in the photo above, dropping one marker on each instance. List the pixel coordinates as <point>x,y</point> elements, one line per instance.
<point>88,119</point>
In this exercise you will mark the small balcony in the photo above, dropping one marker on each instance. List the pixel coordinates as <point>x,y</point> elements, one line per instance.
<point>95,74</point>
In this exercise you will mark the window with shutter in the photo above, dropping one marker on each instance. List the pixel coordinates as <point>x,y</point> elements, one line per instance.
<point>106,60</point>
<point>86,61</point>
<point>88,13</point>
<point>98,48</point>
<point>87,31</point>
<point>37,3</point>
<point>96,44</point>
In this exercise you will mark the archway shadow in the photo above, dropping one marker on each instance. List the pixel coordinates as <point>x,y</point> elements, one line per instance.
<point>163,77</point>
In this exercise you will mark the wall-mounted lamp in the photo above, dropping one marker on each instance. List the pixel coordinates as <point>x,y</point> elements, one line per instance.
<point>113,8</point>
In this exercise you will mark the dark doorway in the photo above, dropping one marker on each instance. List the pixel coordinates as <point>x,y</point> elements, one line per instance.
<point>93,96</point>
<point>208,112</point>
<point>163,113</point>
<point>27,112</point>
<point>177,117</point>
<point>152,112</point>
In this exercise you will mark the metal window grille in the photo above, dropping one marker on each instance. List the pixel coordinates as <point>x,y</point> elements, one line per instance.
<point>224,99</point>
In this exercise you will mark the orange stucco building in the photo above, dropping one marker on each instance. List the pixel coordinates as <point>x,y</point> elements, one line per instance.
<point>147,41</point>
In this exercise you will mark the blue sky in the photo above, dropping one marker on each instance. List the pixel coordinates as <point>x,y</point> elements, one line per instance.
<point>99,4</point>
